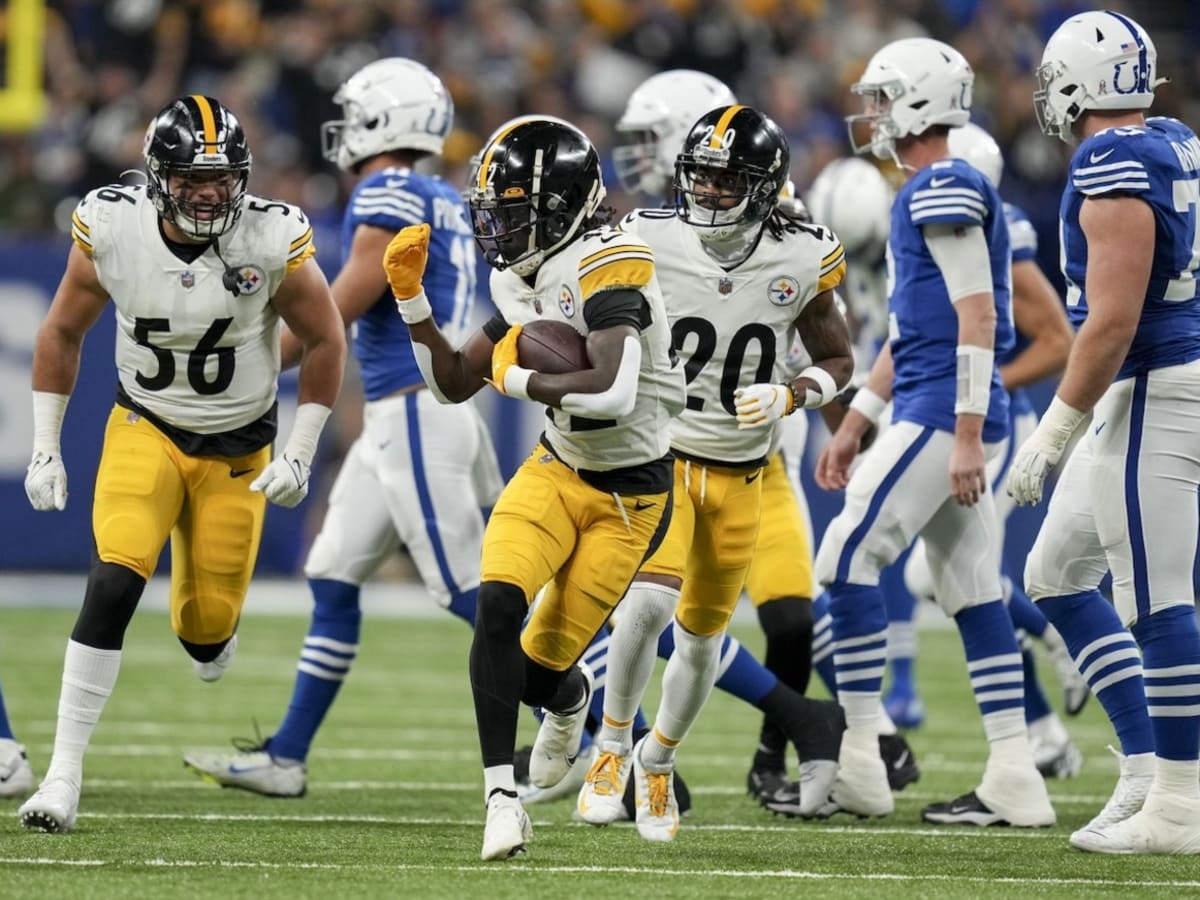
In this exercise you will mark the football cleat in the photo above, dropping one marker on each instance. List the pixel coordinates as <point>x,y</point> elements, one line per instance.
<point>600,798</point>
<point>1054,753</point>
<point>52,808</point>
<point>965,810</point>
<point>16,775</point>
<point>773,791</point>
<point>252,768</point>
<point>528,793</point>
<point>1166,824</point>
<point>214,669</point>
<point>683,797</point>
<point>1133,786</point>
<point>897,756</point>
<point>657,810</point>
<point>817,777</point>
<point>507,829</point>
<point>1016,792</point>
<point>1074,686</point>
<point>861,786</point>
<point>558,739</point>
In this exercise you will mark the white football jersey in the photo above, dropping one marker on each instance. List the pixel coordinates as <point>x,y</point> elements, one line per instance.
<point>188,350</point>
<point>733,328</point>
<point>599,260</point>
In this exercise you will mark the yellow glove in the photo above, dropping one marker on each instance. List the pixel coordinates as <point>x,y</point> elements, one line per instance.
<point>404,260</point>
<point>504,357</point>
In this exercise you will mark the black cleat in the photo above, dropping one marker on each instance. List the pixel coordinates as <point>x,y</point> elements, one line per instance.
<point>965,810</point>
<point>897,756</point>
<point>773,791</point>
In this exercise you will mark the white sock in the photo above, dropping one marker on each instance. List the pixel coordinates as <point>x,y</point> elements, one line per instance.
<point>498,777</point>
<point>89,676</point>
<point>632,651</point>
<point>1005,723</point>
<point>1178,777</point>
<point>687,682</point>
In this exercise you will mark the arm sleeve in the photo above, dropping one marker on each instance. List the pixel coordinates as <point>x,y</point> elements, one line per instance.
<point>495,328</point>
<point>619,306</point>
<point>961,254</point>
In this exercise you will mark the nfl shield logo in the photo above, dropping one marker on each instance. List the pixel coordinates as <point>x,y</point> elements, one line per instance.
<point>187,279</point>
<point>725,285</point>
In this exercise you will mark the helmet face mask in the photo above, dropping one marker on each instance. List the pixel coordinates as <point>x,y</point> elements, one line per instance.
<point>390,104</point>
<point>537,182</point>
<point>909,86</point>
<point>731,171</point>
<point>1094,61</point>
<point>197,166</point>
<point>657,117</point>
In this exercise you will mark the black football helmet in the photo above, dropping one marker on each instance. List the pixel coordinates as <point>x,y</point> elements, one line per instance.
<point>730,174</point>
<point>538,180</point>
<point>196,135</point>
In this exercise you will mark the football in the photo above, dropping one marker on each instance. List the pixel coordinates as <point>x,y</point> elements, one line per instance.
<point>552,348</point>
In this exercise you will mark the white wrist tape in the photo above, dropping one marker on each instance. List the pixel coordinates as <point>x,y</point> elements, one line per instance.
<point>48,412</point>
<point>826,390</point>
<point>868,404</point>
<point>1059,422</point>
<point>975,368</point>
<point>516,382</point>
<point>414,309</point>
<point>306,431</point>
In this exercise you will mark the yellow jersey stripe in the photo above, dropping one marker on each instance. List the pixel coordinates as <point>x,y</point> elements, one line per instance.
<point>209,121</point>
<point>486,162</point>
<point>836,252</point>
<point>82,242</point>
<point>608,251</point>
<point>78,223</point>
<point>716,142</point>
<point>832,278</point>
<point>307,236</point>
<point>634,272</point>
<point>832,261</point>
<point>300,256</point>
<point>634,254</point>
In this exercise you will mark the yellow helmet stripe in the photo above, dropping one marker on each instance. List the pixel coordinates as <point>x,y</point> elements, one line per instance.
<point>715,142</point>
<point>209,121</point>
<point>486,162</point>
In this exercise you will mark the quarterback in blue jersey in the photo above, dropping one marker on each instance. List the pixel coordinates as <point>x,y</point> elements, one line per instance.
<point>420,471</point>
<point>949,316</point>
<point>1125,501</point>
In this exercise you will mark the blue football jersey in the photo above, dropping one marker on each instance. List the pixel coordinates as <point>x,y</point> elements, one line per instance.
<point>1023,237</point>
<point>923,325</point>
<point>392,199</point>
<point>1159,163</point>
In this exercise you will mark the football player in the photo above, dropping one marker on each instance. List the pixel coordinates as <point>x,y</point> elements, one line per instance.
<point>1125,501</point>
<point>593,499</point>
<point>420,471</point>
<point>201,273</point>
<point>949,316</point>
<point>740,279</point>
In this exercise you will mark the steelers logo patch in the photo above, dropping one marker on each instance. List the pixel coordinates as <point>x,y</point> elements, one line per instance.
<point>250,279</point>
<point>783,290</point>
<point>566,302</point>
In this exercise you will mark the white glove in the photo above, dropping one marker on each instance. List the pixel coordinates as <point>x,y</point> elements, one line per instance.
<point>1041,452</point>
<point>46,482</point>
<point>762,404</point>
<point>284,481</point>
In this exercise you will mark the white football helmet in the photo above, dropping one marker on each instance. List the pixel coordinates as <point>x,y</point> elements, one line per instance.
<point>390,104</point>
<point>853,198</point>
<point>978,148</point>
<point>1096,60</point>
<point>909,86</point>
<point>657,117</point>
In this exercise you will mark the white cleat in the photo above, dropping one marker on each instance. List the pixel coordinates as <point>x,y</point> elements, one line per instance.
<point>508,828</point>
<point>52,808</point>
<point>654,796</point>
<point>252,770</point>
<point>1133,785</point>
<point>861,786</point>
<point>1074,686</point>
<point>1054,753</point>
<point>529,793</point>
<point>558,739</point>
<point>16,775</point>
<point>1017,793</point>
<point>600,798</point>
<point>1166,824</point>
<point>211,671</point>
<point>817,777</point>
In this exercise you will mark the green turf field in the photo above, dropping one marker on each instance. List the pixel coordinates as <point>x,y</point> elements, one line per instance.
<point>394,807</point>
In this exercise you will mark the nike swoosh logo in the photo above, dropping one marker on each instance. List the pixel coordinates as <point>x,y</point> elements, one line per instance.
<point>639,505</point>
<point>901,761</point>
<point>750,478</point>
<point>1100,427</point>
<point>1100,157</point>
<point>238,473</point>
<point>243,770</point>
<point>940,182</point>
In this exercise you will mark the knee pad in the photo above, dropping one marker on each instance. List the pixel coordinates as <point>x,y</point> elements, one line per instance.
<point>500,611</point>
<point>542,685</point>
<point>112,596</point>
<point>788,619</point>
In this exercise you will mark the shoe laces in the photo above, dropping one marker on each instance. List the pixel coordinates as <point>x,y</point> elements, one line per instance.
<point>658,790</point>
<point>605,775</point>
<point>256,744</point>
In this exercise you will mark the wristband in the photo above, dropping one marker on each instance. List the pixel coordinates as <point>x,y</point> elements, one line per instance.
<point>516,382</point>
<point>868,404</point>
<point>826,390</point>
<point>306,430</point>
<point>974,380</point>
<point>48,411</point>
<point>414,309</point>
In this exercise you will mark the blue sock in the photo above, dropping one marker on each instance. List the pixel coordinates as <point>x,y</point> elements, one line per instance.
<point>822,649</point>
<point>994,664</point>
<point>739,673</point>
<point>1108,657</point>
<point>1170,642</point>
<point>463,605</point>
<point>902,676</point>
<point>1024,612</point>
<point>1036,704</point>
<point>5,729</point>
<point>329,649</point>
<point>860,648</point>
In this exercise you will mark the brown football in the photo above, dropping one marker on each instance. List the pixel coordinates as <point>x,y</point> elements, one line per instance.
<point>552,348</point>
